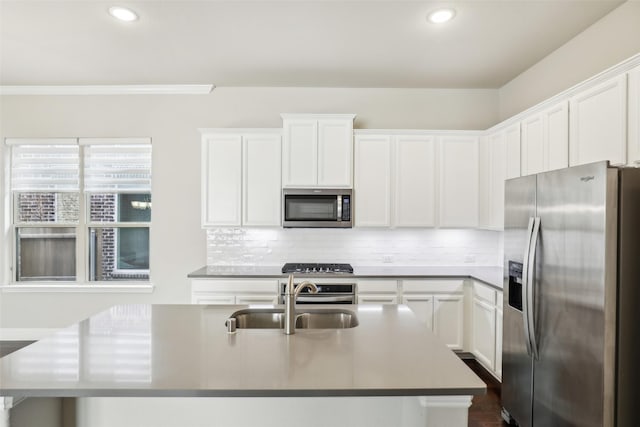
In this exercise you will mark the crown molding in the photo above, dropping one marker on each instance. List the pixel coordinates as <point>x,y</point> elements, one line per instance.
<point>108,90</point>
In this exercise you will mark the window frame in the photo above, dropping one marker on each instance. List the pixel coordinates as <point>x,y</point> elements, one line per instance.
<point>82,227</point>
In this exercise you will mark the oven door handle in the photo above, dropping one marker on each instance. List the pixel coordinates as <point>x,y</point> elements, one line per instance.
<point>316,299</point>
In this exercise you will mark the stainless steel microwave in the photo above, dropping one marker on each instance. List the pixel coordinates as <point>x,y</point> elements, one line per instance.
<point>317,207</point>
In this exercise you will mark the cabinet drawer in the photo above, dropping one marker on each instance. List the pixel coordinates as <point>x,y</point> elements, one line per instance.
<point>378,286</point>
<point>268,299</point>
<point>233,286</point>
<point>433,286</point>
<point>484,292</point>
<point>212,298</point>
<point>377,299</point>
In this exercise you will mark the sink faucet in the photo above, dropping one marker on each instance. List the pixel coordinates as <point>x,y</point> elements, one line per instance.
<point>290,294</point>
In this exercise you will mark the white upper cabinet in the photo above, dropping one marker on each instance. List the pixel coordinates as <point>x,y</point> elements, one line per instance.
<point>317,150</point>
<point>372,189</point>
<point>241,177</point>
<point>458,201</point>
<point>415,181</point>
<point>598,123</point>
<point>335,152</point>
<point>222,180</point>
<point>532,145</point>
<point>261,187</point>
<point>634,116</point>
<point>512,141</point>
<point>300,152</point>
<point>499,161</point>
<point>556,136</point>
<point>395,180</point>
<point>497,175</point>
<point>483,182</point>
<point>545,140</point>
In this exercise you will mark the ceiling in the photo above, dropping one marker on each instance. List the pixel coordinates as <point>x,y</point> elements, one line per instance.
<point>326,43</point>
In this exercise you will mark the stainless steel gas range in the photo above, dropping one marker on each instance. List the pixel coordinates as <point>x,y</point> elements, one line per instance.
<point>334,281</point>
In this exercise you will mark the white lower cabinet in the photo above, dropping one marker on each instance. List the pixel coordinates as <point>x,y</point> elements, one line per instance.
<point>484,329</point>
<point>422,306</point>
<point>440,305</point>
<point>377,299</point>
<point>377,291</point>
<point>486,334</point>
<point>234,291</point>
<point>448,319</point>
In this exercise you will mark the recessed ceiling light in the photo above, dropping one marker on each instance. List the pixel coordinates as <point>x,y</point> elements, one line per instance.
<point>123,14</point>
<point>441,15</point>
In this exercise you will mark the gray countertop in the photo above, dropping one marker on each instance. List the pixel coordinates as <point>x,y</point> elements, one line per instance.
<point>491,275</point>
<point>185,351</point>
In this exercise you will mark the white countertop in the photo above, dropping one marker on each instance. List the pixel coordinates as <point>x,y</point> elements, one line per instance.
<point>185,351</point>
<point>491,275</point>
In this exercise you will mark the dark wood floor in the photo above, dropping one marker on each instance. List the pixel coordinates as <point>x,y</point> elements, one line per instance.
<point>485,409</point>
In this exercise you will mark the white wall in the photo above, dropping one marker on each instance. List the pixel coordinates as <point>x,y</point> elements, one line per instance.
<point>178,244</point>
<point>607,42</point>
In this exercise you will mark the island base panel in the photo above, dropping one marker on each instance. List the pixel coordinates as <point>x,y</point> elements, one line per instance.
<point>406,411</point>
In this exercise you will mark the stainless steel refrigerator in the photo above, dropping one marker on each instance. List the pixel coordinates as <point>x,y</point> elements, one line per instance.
<point>571,341</point>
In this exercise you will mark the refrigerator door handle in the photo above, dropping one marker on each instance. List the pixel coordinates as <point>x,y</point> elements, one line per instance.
<point>530,284</point>
<point>525,287</point>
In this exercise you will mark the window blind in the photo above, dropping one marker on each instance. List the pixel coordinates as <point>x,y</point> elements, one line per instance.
<point>45,168</point>
<point>116,168</point>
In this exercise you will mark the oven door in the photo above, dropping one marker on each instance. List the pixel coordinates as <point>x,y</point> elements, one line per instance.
<point>328,293</point>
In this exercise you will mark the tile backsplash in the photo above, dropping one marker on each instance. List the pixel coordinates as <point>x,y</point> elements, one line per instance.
<point>362,247</point>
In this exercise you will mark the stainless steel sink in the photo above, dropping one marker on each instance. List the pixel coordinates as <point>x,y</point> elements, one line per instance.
<point>273,318</point>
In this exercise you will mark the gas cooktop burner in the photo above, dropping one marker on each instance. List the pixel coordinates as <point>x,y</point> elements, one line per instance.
<point>317,268</point>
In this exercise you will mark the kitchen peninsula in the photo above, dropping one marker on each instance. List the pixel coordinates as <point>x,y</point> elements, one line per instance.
<point>169,365</point>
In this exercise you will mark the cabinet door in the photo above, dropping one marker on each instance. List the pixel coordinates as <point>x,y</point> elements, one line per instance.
<point>556,137</point>
<point>372,190</point>
<point>598,123</point>
<point>513,157</point>
<point>300,152</point>
<point>335,152</point>
<point>261,183</point>
<point>422,306</point>
<point>634,116</point>
<point>484,190</point>
<point>484,337</point>
<point>498,365</point>
<point>222,180</point>
<point>497,175</point>
<point>415,181</point>
<point>458,181</point>
<point>532,145</point>
<point>377,299</point>
<point>448,319</point>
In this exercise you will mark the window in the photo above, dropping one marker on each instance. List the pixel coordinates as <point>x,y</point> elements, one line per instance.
<point>81,209</point>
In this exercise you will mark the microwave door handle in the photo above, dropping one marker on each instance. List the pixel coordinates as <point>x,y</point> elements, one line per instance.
<point>339,210</point>
<point>525,287</point>
<point>531,282</point>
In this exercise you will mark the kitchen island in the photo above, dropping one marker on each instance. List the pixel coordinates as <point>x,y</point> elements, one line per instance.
<point>176,365</point>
